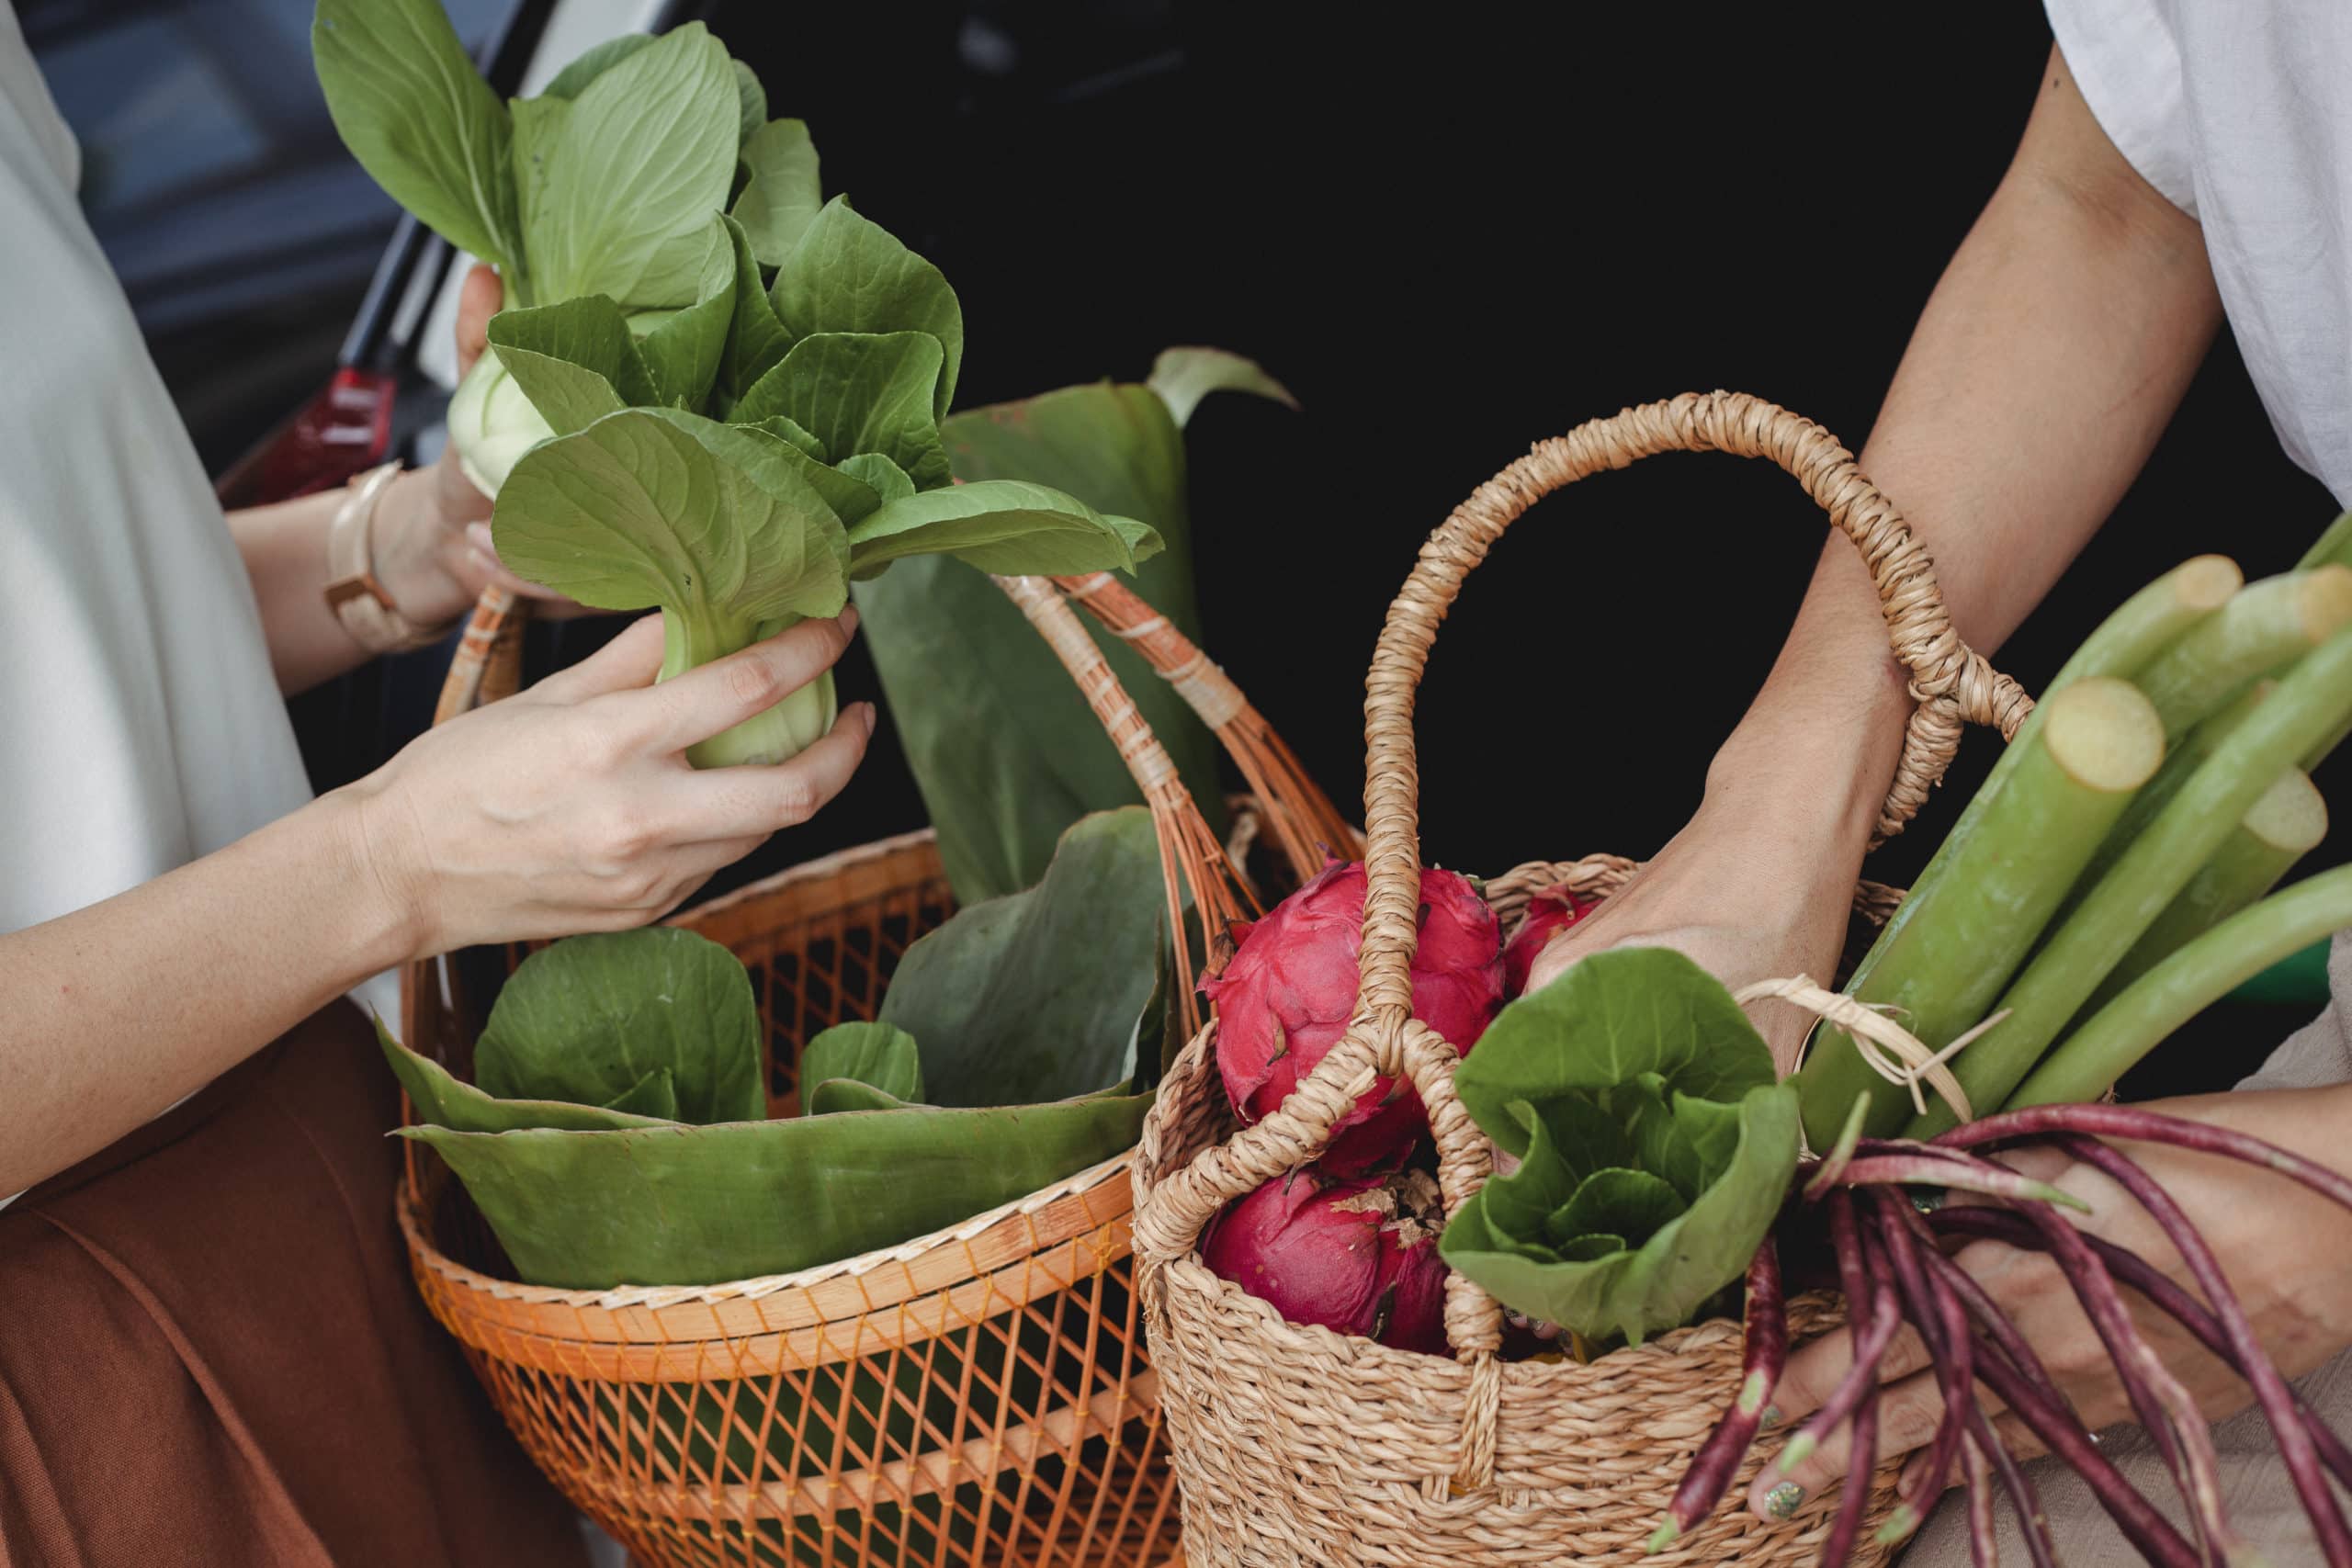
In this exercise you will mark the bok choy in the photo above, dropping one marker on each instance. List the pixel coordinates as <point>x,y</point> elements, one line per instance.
<point>715,393</point>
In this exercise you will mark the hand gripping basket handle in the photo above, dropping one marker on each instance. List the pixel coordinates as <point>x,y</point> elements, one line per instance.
<point>1952,684</point>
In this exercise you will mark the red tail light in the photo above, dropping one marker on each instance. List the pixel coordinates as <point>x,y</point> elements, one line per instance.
<point>347,427</point>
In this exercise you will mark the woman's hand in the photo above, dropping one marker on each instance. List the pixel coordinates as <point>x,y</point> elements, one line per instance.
<point>433,549</point>
<point>570,807</point>
<point>1759,883</point>
<point>2286,1250</point>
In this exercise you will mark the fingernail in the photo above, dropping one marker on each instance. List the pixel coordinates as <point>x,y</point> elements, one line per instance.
<point>1769,1419</point>
<point>477,534</point>
<point>483,562</point>
<point>871,714</point>
<point>849,620</point>
<point>1784,1501</point>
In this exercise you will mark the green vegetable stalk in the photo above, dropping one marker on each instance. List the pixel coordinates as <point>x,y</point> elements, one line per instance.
<point>2134,634</point>
<point>2098,740</point>
<point>2271,624</point>
<point>2336,546</point>
<point>2310,701</point>
<point>2283,826</point>
<point>2183,985</point>
<point>2180,765</point>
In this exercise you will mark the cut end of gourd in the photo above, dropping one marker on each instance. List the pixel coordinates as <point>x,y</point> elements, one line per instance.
<point>2207,582</point>
<point>2324,602</point>
<point>2104,733</point>
<point>2292,813</point>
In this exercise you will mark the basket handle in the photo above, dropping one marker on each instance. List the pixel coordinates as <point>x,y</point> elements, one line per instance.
<point>1305,823</point>
<point>1953,686</point>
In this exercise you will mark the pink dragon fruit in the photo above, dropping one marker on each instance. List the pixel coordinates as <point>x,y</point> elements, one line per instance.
<point>1551,910</point>
<point>1357,1256</point>
<point>1286,998</point>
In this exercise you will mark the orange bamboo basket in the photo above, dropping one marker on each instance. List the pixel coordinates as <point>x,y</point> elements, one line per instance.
<point>977,1396</point>
<point>1296,1446</point>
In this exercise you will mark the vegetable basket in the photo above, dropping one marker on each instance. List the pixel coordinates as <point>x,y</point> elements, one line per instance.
<point>1295,1445</point>
<point>974,1396</point>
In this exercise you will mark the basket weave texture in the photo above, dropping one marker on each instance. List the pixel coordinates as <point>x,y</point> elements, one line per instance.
<point>977,1396</point>
<point>1296,1446</point>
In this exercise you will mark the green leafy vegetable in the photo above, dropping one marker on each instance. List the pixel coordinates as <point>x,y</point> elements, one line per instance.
<point>699,1205</point>
<point>878,1055</point>
<point>848,275</point>
<point>1655,1146</point>
<point>590,1018</point>
<point>448,1101</point>
<point>783,197</point>
<point>1183,377</point>
<point>1038,996</point>
<point>585,1188</point>
<point>410,106</point>
<point>644,159</point>
<point>632,292</point>
<point>1006,753</point>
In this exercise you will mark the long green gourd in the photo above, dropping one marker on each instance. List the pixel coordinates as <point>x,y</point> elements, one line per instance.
<point>2181,762</point>
<point>2334,547</point>
<point>2183,985</point>
<point>2283,826</point>
<point>2312,699</point>
<point>1834,1072</point>
<point>2272,623</point>
<point>2098,740</point>
<point>2335,544</point>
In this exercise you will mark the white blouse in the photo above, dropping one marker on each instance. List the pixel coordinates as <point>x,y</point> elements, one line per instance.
<point>2237,112</point>
<point>140,726</point>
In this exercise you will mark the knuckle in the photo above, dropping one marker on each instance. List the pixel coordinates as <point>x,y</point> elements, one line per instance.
<point>636,886</point>
<point>623,836</point>
<point>795,800</point>
<point>754,681</point>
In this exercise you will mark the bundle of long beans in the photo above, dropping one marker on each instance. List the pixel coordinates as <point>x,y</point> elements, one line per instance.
<point>1892,1268</point>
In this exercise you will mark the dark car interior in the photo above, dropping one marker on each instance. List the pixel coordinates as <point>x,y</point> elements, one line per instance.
<point>1395,216</point>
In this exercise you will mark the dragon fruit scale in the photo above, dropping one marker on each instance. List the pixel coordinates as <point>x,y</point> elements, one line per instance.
<point>1549,912</point>
<point>1357,1255</point>
<point>1287,994</point>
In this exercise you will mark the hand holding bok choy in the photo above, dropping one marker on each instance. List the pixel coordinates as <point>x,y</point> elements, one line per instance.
<point>720,394</point>
<point>570,807</point>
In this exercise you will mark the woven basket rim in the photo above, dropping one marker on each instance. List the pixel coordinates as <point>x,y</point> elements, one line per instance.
<point>806,870</point>
<point>416,1229</point>
<point>1372,1356</point>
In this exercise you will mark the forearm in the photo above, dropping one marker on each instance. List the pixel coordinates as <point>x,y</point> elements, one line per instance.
<point>285,550</point>
<point>2051,354</point>
<point>117,1011</point>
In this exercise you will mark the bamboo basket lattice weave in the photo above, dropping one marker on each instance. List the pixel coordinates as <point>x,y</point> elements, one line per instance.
<point>975,1397</point>
<point>1296,1446</point>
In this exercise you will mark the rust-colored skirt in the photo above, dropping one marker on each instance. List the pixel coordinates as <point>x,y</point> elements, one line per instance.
<point>210,1352</point>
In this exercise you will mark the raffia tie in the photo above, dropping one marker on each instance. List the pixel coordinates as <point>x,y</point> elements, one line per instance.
<point>1890,1051</point>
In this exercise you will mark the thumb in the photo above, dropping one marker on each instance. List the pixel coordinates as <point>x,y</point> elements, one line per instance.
<point>479,299</point>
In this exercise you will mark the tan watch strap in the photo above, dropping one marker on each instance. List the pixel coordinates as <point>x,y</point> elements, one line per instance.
<point>357,598</point>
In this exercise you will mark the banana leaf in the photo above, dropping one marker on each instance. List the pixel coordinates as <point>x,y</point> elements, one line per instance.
<point>682,1205</point>
<point>1040,995</point>
<point>1004,748</point>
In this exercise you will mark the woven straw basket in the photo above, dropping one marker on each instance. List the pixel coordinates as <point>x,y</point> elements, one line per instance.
<point>1298,1446</point>
<point>977,1396</point>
